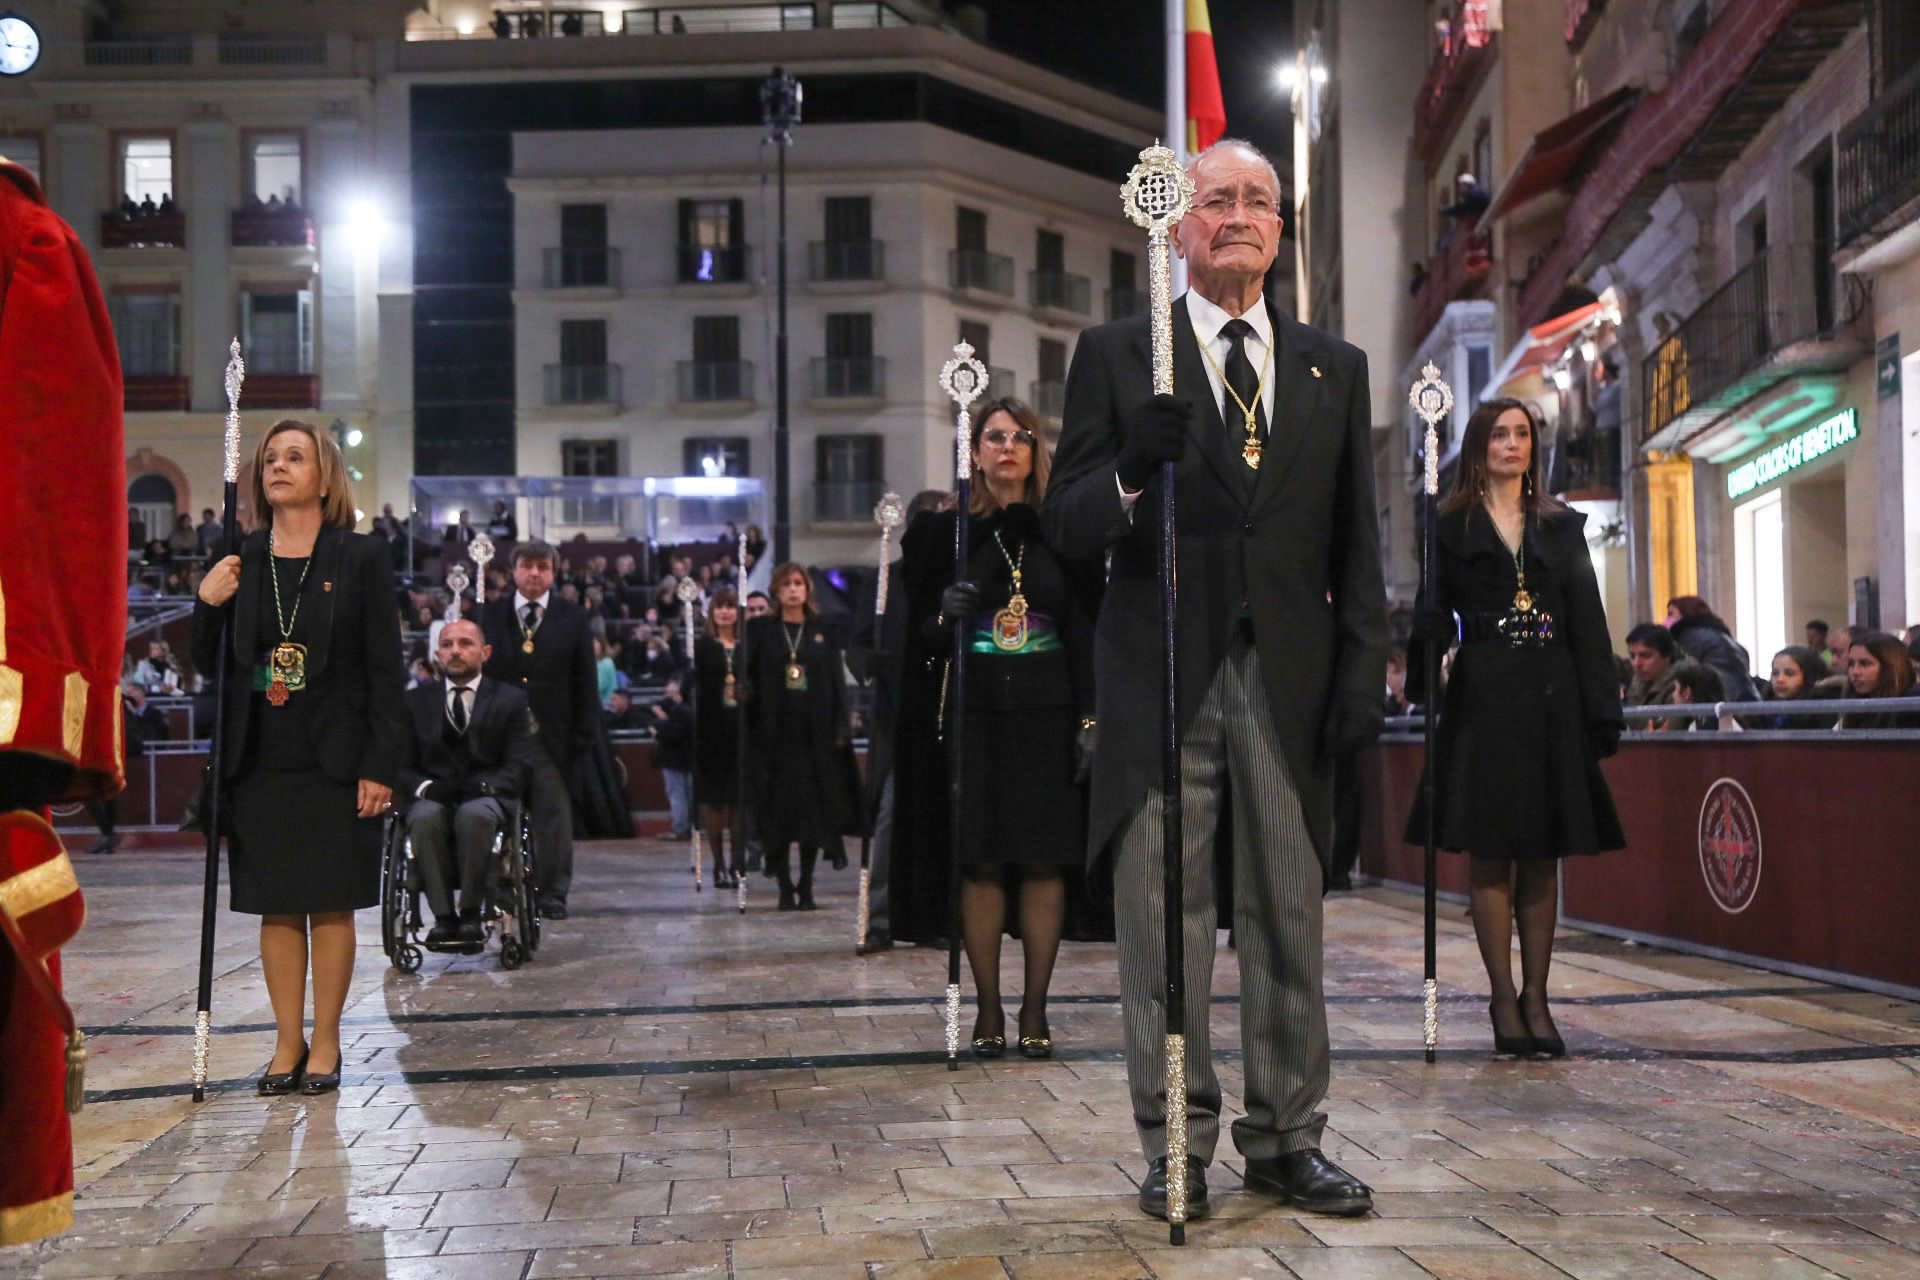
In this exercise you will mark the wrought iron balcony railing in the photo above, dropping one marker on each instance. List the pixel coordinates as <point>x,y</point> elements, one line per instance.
<point>833,260</point>
<point>1879,171</point>
<point>979,270</point>
<point>712,381</point>
<point>595,268</point>
<point>847,377</point>
<point>582,384</point>
<point>1060,291</point>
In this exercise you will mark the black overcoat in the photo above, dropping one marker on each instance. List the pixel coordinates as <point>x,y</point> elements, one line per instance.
<point>1518,777</point>
<point>355,678</point>
<point>558,676</point>
<point>1295,547</point>
<point>829,795</point>
<point>491,759</point>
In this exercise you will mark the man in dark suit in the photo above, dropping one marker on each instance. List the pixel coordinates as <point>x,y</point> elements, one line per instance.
<point>1282,643</point>
<point>471,749</point>
<point>541,644</point>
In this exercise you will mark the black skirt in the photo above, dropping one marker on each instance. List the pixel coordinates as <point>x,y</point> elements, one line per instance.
<point>298,846</point>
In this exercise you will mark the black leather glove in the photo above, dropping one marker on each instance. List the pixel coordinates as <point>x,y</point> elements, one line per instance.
<point>959,602</point>
<point>1352,723</point>
<point>1603,738</point>
<point>1432,627</point>
<point>1084,744</point>
<point>442,791</point>
<point>1155,433</point>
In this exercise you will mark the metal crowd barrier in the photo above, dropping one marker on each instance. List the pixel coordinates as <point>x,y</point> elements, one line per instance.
<point>1726,719</point>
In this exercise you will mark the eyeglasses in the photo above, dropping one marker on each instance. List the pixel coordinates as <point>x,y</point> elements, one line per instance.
<point>1005,439</point>
<point>1259,208</point>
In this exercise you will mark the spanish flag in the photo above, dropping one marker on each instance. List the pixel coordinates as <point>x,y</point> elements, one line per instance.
<point>1206,109</point>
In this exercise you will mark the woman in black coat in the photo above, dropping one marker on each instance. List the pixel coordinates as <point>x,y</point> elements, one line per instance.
<point>1706,639</point>
<point>719,682</point>
<point>799,755</point>
<point>1531,707</point>
<point>313,737</point>
<point>1028,724</point>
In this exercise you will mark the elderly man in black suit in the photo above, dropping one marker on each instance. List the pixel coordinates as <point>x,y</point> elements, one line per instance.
<point>541,644</point>
<point>472,749</point>
<point>1282,647</point>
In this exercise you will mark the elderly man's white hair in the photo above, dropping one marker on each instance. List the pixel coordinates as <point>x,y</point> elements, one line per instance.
<point>1239,144</point>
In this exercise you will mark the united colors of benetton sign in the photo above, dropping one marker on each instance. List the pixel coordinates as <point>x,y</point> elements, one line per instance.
<point>1815,442</point>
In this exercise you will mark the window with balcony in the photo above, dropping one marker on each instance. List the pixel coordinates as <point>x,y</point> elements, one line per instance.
<point>275,169</point>
<point>712,241</point>
<point>715,456</point>
<point>1123,299</point>
<point>1050,388</point>
<point>716,372</point>
<point>970,265</point>
<point>588,459</point>
<point>146,328</point>
<point>867,13</point>
<point>146,170</point>
<point>849,252</point>
<point>710,19</point>
<point>1051,285</point>
<point>849,477</point>
<point>276,330</point>
<point>583,259</point>
<point>849,368</point>
<point>978,336</point>
<point>24,152</point>
<point>583,375</point>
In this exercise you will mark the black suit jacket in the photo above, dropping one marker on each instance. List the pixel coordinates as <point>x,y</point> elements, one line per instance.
<point>492,758</point>
<point>558,675</point>
<point>354,671</point>
<point>1295,547</point>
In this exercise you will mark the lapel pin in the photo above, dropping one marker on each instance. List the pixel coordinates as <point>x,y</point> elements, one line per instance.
<point>1314,369</point>
<point>326,586</point>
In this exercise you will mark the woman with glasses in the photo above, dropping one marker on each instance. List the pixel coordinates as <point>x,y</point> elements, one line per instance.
<point>1027,619</point>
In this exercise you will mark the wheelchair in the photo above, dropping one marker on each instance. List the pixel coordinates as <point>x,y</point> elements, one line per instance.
<point>508,913</point>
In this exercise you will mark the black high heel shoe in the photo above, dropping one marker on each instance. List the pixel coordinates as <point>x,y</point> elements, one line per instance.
<point>989,1046</point>
<point>1519,1046</point>
<point>1548,1046</point>
<point>319,1082</point>
<point>278,1084</point>
<point>1037,1046</point>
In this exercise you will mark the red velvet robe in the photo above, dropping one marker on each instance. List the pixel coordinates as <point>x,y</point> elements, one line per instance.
<point>63,616</point>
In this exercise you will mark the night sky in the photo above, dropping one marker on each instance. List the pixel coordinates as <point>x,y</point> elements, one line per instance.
<point>1117,45</point>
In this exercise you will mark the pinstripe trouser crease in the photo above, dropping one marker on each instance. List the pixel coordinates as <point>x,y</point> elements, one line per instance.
<point>1277,884</point>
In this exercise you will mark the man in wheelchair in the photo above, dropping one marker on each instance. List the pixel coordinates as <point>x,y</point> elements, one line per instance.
<point>471,748</point>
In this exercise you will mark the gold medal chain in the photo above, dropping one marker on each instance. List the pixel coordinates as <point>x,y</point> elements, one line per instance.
<point>280,619</point>
<point>1259,390</point>
<point>1017,603</point>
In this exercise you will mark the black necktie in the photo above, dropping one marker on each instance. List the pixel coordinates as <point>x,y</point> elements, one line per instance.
<point>458,711</point>
<point>532,617</point>
<point>1244,381</point>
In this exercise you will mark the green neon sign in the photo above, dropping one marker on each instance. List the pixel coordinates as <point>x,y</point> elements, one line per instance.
<point>1815,442</point>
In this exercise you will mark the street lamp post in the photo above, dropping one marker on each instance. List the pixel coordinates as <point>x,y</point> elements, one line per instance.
<point>780,111</point>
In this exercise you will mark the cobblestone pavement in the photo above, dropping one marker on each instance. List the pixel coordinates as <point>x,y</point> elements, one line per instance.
<point>674,1089</point>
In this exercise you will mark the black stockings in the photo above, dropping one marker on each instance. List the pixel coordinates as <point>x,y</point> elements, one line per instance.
<point>779,862</point>
<point>983,915</point>
<point>1506,891</point>
<point>717,820</point>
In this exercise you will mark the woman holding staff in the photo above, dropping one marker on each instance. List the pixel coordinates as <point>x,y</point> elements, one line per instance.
<point>1530,710</point>
<point>316,727</point>
<point>719,681</point>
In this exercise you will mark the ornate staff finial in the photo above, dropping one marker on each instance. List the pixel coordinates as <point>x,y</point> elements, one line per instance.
<point>481,549</point>
<point>965,379</point>
<point>457,583</point>
<point>1432,399</point>
<point>1156,195</point>
<point>888,513</point>
<point>688,591</point>
<point>236,376</point>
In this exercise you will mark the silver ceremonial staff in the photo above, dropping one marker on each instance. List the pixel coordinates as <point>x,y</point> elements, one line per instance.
<point>739,861</point>
<point>888,513</point>
<point>1156,195</point>
<point>209,898</point>
<point>964,379</point>
<point>689,591</point>
<point>1432,399</point>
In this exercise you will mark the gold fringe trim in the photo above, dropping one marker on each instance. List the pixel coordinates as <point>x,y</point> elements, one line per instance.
<point>26,1222</point>
<point>13,694</point>
<point>73,714</point>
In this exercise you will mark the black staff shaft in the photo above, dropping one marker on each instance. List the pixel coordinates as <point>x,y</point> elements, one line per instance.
<point>210,892</point>
<point>1431,658</point>
<point>1172,845</point>
<point>956,727</point>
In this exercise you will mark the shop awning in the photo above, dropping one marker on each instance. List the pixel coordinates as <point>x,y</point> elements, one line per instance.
<point>1545,343</point>
<point>1559,151</point>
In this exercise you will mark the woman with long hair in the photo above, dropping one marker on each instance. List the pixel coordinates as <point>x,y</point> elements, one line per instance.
<point>1698,630</point>
<point>315,732</point>
<point>798,745</point>
<point>1878,666</point>
<point>1532,706</point>
<point>719,685</point>
<point>1794,676</point>
<point>1027,618</point>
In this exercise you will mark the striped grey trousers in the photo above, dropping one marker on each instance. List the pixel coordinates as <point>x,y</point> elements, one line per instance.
<point>1230,754</point>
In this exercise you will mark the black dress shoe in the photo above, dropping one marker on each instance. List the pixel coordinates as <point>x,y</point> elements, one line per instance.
<point>1310,1181</point>
<point>443,934</point>
<point>1153,1191</point>
<point>875,942</point>
<point>319,1082</point>
<point>553,909</point>
<point>278,1084</point>
<point>472,932</point>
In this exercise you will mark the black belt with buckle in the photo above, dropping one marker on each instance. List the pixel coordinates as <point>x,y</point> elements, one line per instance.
<point>1514,630</point>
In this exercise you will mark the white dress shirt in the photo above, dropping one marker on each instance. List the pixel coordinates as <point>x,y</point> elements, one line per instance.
<point>1208,319</point>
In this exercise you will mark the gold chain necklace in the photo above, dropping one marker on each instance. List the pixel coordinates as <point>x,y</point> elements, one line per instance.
<point>1522,598</point>
<point>1010,623</point>
<point>1250,451</point>
<point>796,673</point>
<point>287,664</point>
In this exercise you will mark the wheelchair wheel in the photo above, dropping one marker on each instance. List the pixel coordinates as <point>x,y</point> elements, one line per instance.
<point>529,915</point>
<point>407,958</point>
<point>512,954</point>
<point>393,894</point>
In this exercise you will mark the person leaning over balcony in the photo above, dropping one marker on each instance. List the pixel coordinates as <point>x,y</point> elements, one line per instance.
<point>1878,667</point>
<point>316,732</point>
<point>1531,709</point>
